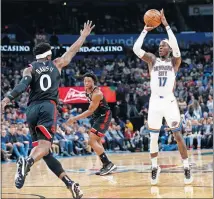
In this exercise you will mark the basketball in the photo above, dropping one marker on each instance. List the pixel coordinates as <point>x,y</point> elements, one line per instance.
<point>152,18</point>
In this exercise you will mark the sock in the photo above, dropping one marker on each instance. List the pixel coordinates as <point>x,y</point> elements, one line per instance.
<point>67,180</point>
<point>104,159</point>
<point>186,163</point>
<point>154,162</point>
<point>30,161</point>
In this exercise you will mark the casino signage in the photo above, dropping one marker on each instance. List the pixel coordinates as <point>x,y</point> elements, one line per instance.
<point>94,49</point>
<point>15,48</point>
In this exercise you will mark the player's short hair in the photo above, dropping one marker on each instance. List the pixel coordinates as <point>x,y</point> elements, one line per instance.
<point>93,76</point>
<point>41,48</point>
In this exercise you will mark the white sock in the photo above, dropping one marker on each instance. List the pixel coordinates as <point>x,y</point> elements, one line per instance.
<point>154,162</point>
<point>186,163</point>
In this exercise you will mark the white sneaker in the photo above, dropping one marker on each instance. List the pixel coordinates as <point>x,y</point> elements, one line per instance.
<point>188,178</point>
<point>155,175</point>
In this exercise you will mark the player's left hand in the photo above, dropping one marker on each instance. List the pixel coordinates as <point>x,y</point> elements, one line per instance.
<point>4,102</point>
<point>163,18</point>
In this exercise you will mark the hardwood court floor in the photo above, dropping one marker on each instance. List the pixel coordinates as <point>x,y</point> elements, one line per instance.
<point>132,179</point>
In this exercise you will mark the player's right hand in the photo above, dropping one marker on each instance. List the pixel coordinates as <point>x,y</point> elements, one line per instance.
<point>87,29</point>
<point>147,28</point>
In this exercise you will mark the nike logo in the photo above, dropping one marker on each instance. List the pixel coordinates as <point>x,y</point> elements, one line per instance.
<point>172,100</point>
<point>103,115</point>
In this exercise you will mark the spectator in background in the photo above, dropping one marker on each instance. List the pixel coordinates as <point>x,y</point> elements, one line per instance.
<point>18,147</point>
<point>171,145</point>
<point>128,137</point>
<point>129,125</point>
<point>63,142</point>
<point>116,110</point>
<point>6,145</point>
<point>145,136</point>
<point>182,104</point>
<point>55,148</point>
<point>108,144</point>
<point>23,140</point>
<point>137,141</point>
<point>41,36</point>
<point>210,104</point>
<point>117,138</point>
<point>207,131</point>
<point>69,136</point>
<point>131,104</point>
<point>197,109</point>
<point>86,140</point>
<point>27,137</point>
<point>54,40</point>
<point>187,134</point>
<point>204,107</point>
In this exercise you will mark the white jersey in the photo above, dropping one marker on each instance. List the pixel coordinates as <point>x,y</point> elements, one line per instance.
<point>162,78</point>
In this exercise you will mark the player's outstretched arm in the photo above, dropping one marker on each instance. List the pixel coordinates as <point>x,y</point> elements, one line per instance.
<point>147,57</point>
<point>173,42</point>
<point>96,98</point>
<point>19,88</point>
<point>67,56</point>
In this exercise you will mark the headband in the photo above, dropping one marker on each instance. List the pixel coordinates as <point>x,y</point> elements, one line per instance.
<point>44,55</point>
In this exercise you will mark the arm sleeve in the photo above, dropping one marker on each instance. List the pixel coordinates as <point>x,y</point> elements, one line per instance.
<point>138,44</point>
<point>173,43</point>
<point>20,88</point>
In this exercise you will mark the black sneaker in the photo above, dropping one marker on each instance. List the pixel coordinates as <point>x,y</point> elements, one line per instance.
<point>75,190</point>
<point>22,169</point>
<point>155,175</point>
<point>98,172</point>
<point>188,179</point>
<point>107,169</point>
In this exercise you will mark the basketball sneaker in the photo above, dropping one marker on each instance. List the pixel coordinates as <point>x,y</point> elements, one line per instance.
<point>107,169</point>
<point>75,190</point>
<point>155,175</point>
<point>188,179</point>
<point>22,170</point>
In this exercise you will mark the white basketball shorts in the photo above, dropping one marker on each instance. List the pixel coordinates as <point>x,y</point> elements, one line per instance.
<point>161,106</point>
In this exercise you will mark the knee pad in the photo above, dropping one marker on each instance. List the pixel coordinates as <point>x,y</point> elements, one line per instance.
<point>154,142</point>
<point>53,164</point>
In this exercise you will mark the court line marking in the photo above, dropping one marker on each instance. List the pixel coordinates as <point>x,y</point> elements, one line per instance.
<point>125,186</point>
<point>25,194</point>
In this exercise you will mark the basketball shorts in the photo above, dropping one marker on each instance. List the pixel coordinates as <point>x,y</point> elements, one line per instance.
<point>41,119</point>
<point>160,107</point>
<point>99,125</point>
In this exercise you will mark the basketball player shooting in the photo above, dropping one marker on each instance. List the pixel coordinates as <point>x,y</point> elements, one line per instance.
<point>101,118</point>
<point>163,102</point>
<point>43,78</point>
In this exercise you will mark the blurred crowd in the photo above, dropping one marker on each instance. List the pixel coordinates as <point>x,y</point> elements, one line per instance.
<point>128,129</point>
<point>67,17</point>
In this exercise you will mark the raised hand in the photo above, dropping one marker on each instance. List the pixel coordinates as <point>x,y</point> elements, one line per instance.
<point>163,18</point>
<point>87,28</point>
